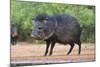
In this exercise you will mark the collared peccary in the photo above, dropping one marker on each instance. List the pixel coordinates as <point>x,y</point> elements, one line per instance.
<point>14,34</point>
<point>59,28</point>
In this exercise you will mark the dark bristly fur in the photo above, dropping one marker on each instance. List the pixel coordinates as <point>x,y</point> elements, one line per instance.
<point>59,28</point>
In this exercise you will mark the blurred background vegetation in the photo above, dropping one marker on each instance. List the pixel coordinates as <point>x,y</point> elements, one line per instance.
<point>23,12</point>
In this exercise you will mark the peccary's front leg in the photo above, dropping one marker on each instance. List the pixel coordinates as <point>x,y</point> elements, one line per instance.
<point>51,49</point>
<point>47,47</point>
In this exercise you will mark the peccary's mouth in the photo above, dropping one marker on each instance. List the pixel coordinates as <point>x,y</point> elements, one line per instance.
<point>36,37</point>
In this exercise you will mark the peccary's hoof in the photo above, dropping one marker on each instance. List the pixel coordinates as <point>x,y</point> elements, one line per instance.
<point>67,53</point>
<point>45,55</point>
<point>50,54</point>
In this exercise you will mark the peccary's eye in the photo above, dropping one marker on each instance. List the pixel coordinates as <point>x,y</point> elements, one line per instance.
<point>44,21</point>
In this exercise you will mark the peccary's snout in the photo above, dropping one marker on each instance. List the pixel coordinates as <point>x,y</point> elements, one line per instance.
<point>33,34</point>
<point>37,34</point>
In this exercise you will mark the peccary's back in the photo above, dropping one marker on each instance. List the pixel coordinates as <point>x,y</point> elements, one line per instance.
<point>68,28</point>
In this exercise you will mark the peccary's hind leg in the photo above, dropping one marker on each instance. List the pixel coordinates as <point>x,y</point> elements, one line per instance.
<point>47,47</point>
<point>71,47</point>
<point>79,48</point>
<point>79,44</point>
<point>51,49</point>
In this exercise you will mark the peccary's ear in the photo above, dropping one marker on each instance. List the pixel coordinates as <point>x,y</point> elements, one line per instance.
<point>45,20</point>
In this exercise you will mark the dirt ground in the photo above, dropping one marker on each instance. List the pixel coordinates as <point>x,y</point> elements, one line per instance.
<point>33,53</point>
